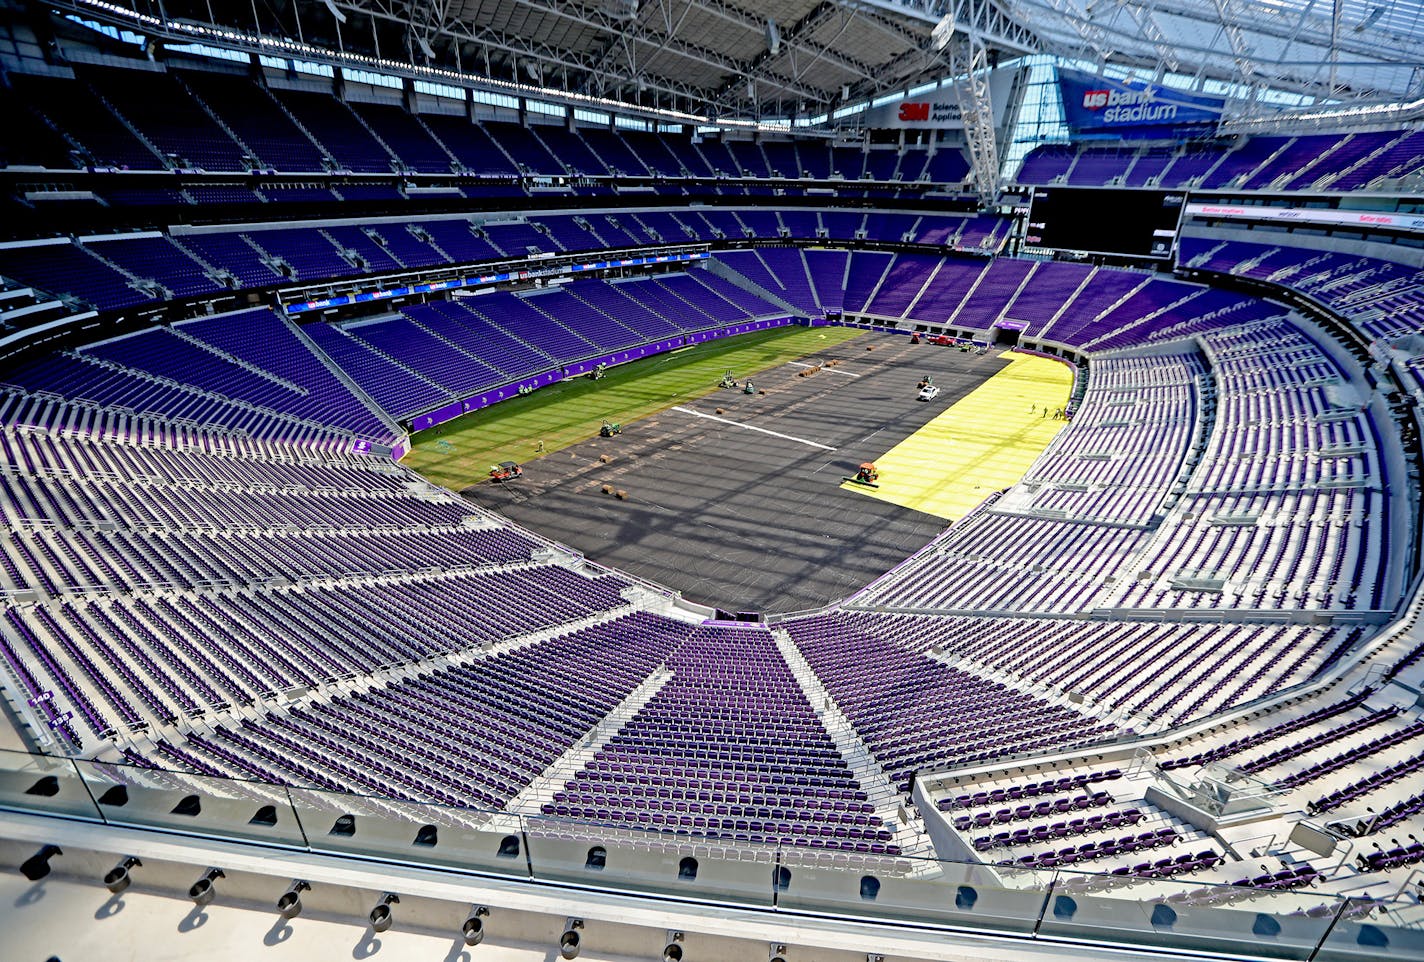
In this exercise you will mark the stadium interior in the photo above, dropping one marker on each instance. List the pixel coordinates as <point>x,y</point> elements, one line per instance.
<point>1041,580</point>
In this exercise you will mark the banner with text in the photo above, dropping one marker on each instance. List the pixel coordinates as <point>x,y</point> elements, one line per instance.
<point>938,109</point>
<point>1099,107</point>
<point>1413,223</point>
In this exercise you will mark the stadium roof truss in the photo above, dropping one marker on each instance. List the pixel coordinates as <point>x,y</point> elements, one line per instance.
<point>1341,51</point>
<point>776,59</point>
<point>780,57</point>
<point>801,63</point>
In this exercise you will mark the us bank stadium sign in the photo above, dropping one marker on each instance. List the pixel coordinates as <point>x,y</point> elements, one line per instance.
<point>1132,108</point>
<point>1129,106</point>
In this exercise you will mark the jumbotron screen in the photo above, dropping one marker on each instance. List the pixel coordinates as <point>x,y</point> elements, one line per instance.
<point>1095,220</point>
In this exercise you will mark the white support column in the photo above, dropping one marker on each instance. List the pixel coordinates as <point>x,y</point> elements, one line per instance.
<point>969,63</point>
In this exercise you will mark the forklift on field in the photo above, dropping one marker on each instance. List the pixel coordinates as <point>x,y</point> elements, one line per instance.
<point>728,380</point>
<point>598,373</point>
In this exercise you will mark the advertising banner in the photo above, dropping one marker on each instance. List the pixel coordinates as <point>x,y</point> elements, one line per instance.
<point>341,300</point>
<point>1097,106</point>
<point>938,109</point>
<point>1413,223</point>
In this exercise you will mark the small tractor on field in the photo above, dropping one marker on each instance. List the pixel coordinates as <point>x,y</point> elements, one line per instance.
<point>505,471</point>
<point>867,475</point>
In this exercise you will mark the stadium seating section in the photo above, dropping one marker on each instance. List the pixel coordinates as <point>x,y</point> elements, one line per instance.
<point>1311,162</point>
<point>211,565</point>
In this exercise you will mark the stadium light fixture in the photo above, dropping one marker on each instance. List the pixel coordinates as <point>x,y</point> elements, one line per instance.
<point>773,37</point>
<point>620,9</point>
<point>942,32</point>
<point>1370,20</point>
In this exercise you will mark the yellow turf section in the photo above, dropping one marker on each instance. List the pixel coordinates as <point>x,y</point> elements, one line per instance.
<point>982,443</point>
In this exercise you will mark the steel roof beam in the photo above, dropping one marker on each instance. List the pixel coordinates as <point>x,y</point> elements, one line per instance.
<point>1266,70</point>
<point>519,47</point>
<point>789,39</point>
<point>636,35</point>
<point>1368,44</point>
<point>796,51</point>
<point>1144,16</point>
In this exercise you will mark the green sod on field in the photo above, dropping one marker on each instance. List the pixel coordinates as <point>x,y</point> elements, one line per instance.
<point>571,411</point>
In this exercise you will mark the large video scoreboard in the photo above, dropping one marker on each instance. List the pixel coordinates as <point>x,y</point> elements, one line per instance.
<point>1121,221</point>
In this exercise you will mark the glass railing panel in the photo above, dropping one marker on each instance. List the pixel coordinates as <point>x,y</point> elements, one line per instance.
<point>44,784</point>
<point>1099,909</point>
<point>1179,914</point>
<point>466,839</point>
<point>968,895</point>
<point>563,850</point>
<point>199,804</point>
<point>1372,930</point>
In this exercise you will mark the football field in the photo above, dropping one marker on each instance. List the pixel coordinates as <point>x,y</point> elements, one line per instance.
<point>459,453</point>
<point>736,500</point>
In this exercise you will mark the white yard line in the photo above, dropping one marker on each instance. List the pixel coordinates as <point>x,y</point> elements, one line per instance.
<point>750,427</point>
<point>828,370</point>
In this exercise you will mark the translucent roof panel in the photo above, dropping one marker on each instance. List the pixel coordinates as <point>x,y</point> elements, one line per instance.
<point>1350,50</point>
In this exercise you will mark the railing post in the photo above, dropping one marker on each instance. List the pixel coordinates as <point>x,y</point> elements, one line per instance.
<point>74,763</point>
<point>1047,897</point>
<point>524,839</point>
<point>776,879</point>
<point>297,817</point>
<point>1325,936</point>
